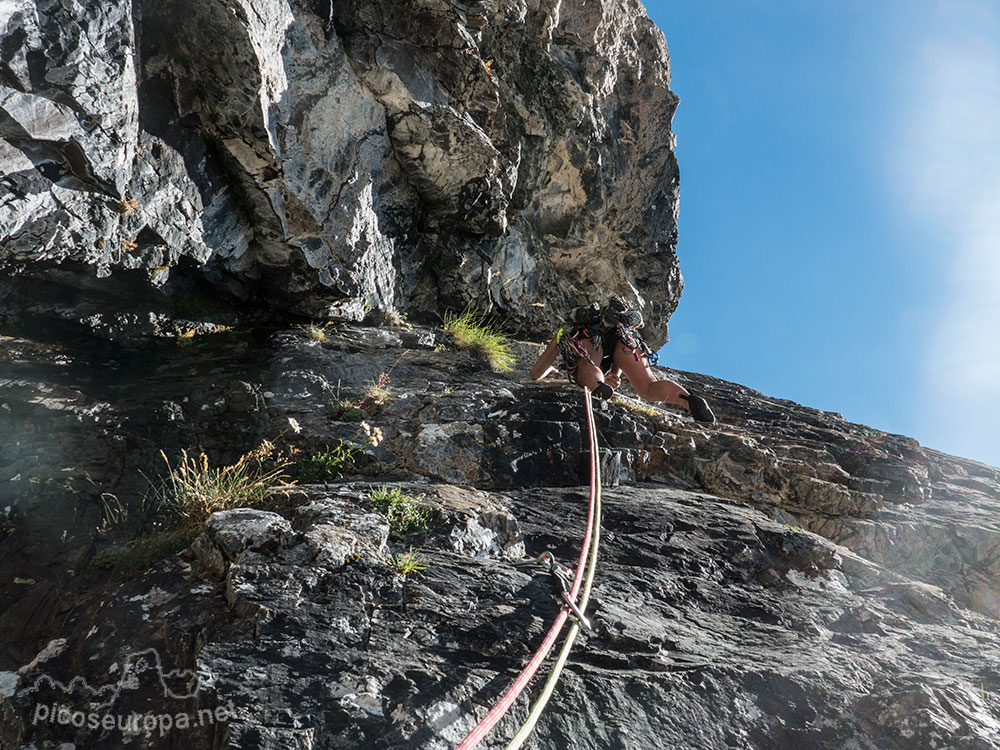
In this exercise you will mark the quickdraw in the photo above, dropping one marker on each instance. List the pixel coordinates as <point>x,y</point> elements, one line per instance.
<point>564,576</point>
<point>595,521</point>
<point>571,348</point>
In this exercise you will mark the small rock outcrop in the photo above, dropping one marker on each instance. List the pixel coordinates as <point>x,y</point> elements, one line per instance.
<point>334,159</point>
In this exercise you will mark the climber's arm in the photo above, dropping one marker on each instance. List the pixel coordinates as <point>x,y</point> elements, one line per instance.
<point>544,366</point>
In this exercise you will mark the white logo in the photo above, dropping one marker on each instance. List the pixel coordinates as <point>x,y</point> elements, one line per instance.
<point>179,684</point>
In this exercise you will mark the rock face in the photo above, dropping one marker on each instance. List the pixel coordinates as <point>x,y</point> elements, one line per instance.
<point>331,159</point>
<point>180,179</point>
<point>780,580</point>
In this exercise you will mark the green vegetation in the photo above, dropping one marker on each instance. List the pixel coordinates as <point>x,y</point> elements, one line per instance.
<point>637,407</point>
<point>332,461</point>
<point>480,337</point>
<point>140,555</point>
<point>325,465</point>
<point>407,564</point>
<point>404,513</point>
<point>172,513</point>
<point>348,411</point>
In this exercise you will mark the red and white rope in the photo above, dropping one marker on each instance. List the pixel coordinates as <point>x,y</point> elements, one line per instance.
<point>505,702</point>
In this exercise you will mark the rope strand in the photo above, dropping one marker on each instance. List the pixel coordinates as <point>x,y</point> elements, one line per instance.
<point>550,684</point>
<point>592,532</point>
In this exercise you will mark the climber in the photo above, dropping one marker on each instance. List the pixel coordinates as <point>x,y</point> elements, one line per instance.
<point>597,346</point>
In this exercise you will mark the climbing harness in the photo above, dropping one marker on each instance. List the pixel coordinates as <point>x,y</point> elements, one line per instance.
<point>572,348</point>
<point>616,323</point>
<point>571,605</point>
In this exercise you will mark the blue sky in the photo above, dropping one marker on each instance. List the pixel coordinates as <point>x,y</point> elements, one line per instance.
<point>840,207</point>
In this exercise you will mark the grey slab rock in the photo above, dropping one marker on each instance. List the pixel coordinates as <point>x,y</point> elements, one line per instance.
<point>782,579</point>
<point>334,160</point>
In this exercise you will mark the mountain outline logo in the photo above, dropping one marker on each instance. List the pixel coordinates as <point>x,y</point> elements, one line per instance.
<point>136,663</point>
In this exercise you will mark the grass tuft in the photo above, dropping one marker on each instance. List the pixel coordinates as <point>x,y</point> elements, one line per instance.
<point>637,407</point>
<point>314,332</point>
<point>404,513</point>
<point>480,337</point>
<point>193,490</point>
<point>391,317</point>
<point>408,563</point>
<point>377,394</point>
<point>172,514</point>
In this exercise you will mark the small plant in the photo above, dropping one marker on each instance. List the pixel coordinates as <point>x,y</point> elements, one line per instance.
<point>314,332</point>
<point>332,461</point>
<point>377,394</point>
<point>193,490</point>
<point>128,206</point>
<point>184,335</point>
<point>637,407</point>
<point>479,336</point>
<point>327,464</point>
<point>392,317</point>
<point>348,411</point>
<point>115,514</point>
<point>407,564</point>
<point>404,513</point>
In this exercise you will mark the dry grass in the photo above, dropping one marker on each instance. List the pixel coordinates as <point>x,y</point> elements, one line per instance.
<point>637,407</point>
<point>173,512</point>
<point>193,489</point>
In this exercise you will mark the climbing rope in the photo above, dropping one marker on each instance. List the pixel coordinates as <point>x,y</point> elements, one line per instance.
<point>550,684</point>
<point>592,533</point>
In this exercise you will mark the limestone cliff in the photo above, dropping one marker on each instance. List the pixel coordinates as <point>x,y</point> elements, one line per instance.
<point>334,159</point>
<point>183,185</point>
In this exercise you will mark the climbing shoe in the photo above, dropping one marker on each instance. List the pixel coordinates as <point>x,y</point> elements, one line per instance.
<point>699,408</point>
<point>604,392</point>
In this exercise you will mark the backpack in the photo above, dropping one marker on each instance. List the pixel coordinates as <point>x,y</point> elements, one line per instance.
<point>616,319</point>
<point>619,314</point>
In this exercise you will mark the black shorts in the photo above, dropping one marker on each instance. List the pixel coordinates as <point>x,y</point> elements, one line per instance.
<point>607,340</point>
